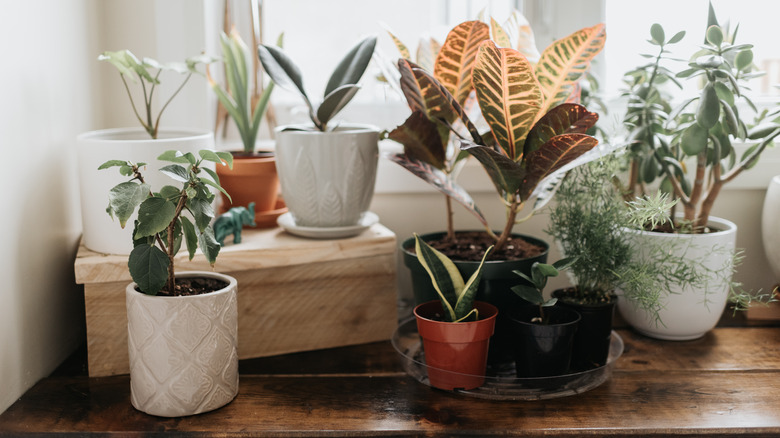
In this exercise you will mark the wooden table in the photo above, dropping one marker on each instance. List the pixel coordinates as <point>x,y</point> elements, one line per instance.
<point>725,384</point>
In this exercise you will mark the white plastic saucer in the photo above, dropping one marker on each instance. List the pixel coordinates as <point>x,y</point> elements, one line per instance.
<point>287,222</point>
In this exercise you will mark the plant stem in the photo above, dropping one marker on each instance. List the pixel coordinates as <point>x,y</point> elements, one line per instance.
<point>450,224</point>
<point>510,222</point>
<point>157,122</point>
<point>171,283</point>
<point>148,103</point>
<point>132,103</point>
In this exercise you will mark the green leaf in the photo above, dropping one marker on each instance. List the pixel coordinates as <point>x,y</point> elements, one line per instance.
<point>202,211</point>
<point>709,107</point>
<point>676,38</point>
<point>715,35</point>
<point>444,275</point>
<point>547,270</point>
<point>226,157</point>
<point>551,156</point>
<point>465,303</point>
<point>694,139</point>
<point>335,101</point>
<point>113,163</point>
<point>124,198</point>
<point>528,293</point>
<point>154,215</point>
<point>190,236</point>
<point>657,33</point>
<point>209,245</point>
<point>170,193</point>
<point>762,130</point>
<point>211,173</point>
<point>506,174</point>
<point>209,155</point>
<point>744,59</point>
<point>126,170</point>
<point>178,157</point>
<point>724,93</point>
<point>176,172</point>
<point>148,266</point>
<point>351,68</point>
<point>283,71</point>
<point>217,186</point>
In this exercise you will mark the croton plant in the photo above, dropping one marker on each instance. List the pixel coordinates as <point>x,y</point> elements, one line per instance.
<point>536,129</point>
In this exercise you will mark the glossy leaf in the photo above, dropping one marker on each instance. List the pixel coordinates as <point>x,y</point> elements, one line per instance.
<point>708,112</point>
<point>506,174</point>
<point>455,61</point>
<point>566,118</point>
<point>283,71</point>
<point>124,198</point>
<point>335,102</point>
<point>465,303</point>
<point>175,172</point>
<point>551,156</point>
<point>148,267</point>
<point>178,157</point>
<point>226,157</point>
<point>440,181</point>
<point>421,140</point>
<point>694,139</point>
<point>351,68</point>
<point>508,95</point>
<point>565,61</point>
<point>445,277</point>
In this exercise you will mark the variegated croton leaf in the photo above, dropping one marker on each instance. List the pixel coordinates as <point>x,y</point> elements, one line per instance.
<point>455,61</point>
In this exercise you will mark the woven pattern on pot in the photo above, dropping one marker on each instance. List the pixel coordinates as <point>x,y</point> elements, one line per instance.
<point>183,357</point>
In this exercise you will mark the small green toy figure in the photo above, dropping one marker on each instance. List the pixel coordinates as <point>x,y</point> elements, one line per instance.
<point>232,221</point>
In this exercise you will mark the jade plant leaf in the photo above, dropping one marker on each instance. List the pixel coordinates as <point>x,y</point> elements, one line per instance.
<point>567,118</point>
<point>455,61</point>
<point>124,198</point>
<point>551,156</point>
<point>508,95</point>
<point>148,266</point>
<point>352,66</point>
<point>563,63</point>
<point>154,215</point>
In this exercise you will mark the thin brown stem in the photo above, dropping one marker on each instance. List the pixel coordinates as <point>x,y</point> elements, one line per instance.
<point>510,223</point>
<point>450,223</point>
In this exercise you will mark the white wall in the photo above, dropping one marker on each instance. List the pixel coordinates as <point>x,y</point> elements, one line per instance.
<point>48,75</point>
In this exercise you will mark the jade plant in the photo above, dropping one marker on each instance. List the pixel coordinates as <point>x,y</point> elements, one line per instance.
<point>456,296</point>
<point>535,135</point>
<point>533,291</point>
<point>342,85</point>
<point>147,72</point>
<point>162,225</point>
<point>244,107</point>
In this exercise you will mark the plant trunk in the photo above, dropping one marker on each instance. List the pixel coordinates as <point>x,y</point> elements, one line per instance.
<point>510,223</point>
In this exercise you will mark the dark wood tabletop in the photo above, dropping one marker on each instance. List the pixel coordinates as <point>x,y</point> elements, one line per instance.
<point>724,384</point>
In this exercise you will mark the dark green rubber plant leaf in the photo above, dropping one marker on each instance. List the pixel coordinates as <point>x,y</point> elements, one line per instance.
<point>284,72</point>
<point>148,266</point>
<point>154,215</point>
<point>335,102</point>
<point>352,66</point>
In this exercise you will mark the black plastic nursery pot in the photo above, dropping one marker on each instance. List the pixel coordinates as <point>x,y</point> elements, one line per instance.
<point>591,343</point>
<point>495,288</point>
<point>543,350</point>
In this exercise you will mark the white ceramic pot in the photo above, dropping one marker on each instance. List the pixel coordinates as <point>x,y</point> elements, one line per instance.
<point>183,356</point>
<point>327,178</point>
<point>770,226</point>
<point>691,312</point>
<point>101,233</point>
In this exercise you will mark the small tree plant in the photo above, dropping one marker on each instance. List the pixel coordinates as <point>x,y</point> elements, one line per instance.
<point>162,224</point>
<point>540,273</point>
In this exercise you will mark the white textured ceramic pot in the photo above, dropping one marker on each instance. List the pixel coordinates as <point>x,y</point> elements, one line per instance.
<point>770,226</point>
<point>327,178</point>
<point>691,312</point>
<point>101,233</point>
<point>183,356</point>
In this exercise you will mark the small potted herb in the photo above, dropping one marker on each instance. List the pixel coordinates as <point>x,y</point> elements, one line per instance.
<point>455,329</point>
<point>544,333</point>
<point>182,327</point>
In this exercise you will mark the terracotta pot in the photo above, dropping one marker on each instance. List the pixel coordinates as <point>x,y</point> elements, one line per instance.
<point>252,179</point>
<point>183,350</point>
<point>455,352</point>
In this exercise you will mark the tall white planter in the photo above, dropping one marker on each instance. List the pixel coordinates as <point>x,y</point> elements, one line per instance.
<point>691,312</point>
<point>183,350</point>
<point>101,233</point>
<point>327,178</point>
<point>770,226</point>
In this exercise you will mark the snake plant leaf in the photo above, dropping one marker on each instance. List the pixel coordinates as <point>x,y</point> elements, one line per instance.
<point>465,303</point>
<point>565,61</point>
<point>440,181</point>
<point>335,102</point>
<point>124,198</point>
<point>567,118</point>
<point>352,66</point>
<point>506,174</point>
<point>508,95</point>
<point>551,156</point>
<point>421,140</point>
<point>455,61</point>
<point>154,215</point>
<point>444,275</point>
<point>208,245</point>
<point>148,267</point>
<point>283,71</point>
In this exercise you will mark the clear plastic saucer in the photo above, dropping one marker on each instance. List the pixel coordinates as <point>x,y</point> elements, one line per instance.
<point>505,386</point>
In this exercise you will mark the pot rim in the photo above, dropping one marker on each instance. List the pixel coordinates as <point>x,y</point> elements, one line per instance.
<point>232,285</point>
<point>557,309</point>
<point>484,304</point>
<point>730,227</point>
<point>526,237</point>
<point>309,129</point>
<point>104,135</point>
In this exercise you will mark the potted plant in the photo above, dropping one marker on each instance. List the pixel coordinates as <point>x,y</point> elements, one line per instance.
<point>455,329</point>
<point>702,130</point>
<point>145,143</point>
<point>253,177</point>
<point>544,333</point>
<point>182,327</point>
<point>327,171</point>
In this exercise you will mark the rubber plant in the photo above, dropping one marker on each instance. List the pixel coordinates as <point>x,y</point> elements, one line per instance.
<point>340,89</point>
<point>536,132</point>
<point>161,224</point>
<point>456,296</point>
<point>147,72</point>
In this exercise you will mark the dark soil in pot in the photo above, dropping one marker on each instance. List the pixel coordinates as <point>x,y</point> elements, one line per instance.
<point>193,286</point>
<point>591,343</point>
<point>543,349</point>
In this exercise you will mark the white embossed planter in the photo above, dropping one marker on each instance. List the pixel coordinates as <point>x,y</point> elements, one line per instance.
<point>327,178</point>
<point>183,350</point>
<point>770,226</point>
<point>691,312</point>
<point>101,233</point>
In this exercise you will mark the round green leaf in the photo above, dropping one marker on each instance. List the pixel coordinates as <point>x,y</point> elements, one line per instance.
<point>715,35</point>
<point>743,59</point>
<point>677,37</point>
<point>657,32</point>
<point>709,107</point>
<point>694,139</point>
<point>154,215</point>
<point>148,266</point>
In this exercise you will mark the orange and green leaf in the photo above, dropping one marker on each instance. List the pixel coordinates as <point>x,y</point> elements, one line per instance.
<point>508,95</point>
<point>551,156</point>
<point>564,62</point>
<point>427,51</point>
<point>456,58</point>
<point>567,118</point>
<point>421,139</point>
<point>402,49</point>
<point>499,34</point>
